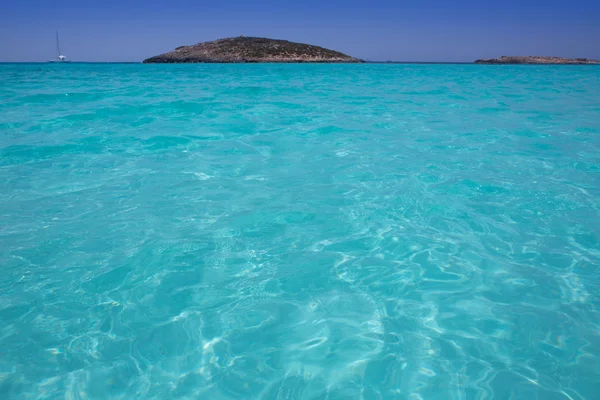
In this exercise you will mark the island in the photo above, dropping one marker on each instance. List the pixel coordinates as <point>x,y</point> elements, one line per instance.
<point>252,50</point>
<point>536,60</point>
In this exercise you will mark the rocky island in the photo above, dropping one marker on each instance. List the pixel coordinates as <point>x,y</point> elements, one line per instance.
<point>252,50</point>
<point>536,60</point>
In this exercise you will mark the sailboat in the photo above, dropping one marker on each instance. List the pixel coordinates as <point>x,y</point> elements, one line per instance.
<point>59,57</point>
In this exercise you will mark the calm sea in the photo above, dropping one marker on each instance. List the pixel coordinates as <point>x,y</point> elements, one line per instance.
<point>299,232</point>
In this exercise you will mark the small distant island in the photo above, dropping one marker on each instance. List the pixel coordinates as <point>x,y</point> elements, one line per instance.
<point>536,60</point>
<point>252,50</point>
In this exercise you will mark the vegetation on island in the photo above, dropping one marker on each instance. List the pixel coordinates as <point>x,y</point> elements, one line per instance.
<point>252,50</point>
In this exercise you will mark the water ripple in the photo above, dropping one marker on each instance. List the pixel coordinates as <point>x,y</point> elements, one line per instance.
<point>314,231</point>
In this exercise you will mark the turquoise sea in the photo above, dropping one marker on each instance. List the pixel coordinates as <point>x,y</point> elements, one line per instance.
<point>299,232</point>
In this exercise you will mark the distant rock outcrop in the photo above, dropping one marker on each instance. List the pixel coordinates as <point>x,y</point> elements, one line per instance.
<point>252,50</point>
<point>536,60</point>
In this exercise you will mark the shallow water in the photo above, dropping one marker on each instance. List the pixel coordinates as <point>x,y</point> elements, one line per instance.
<point>299,232</point>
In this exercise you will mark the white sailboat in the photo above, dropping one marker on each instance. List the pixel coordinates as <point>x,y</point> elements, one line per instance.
<point>59,57</point>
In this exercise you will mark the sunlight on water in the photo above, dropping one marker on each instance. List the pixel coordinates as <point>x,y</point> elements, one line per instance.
<point>299,232</point>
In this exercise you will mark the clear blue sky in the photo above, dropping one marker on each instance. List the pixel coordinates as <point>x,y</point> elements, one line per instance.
<point>404,30</point>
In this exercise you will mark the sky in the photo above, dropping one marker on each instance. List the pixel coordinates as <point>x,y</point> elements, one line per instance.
<point>375,30</point>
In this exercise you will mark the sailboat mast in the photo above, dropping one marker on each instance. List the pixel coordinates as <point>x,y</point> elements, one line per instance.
<point>57,45</point>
